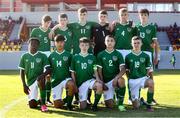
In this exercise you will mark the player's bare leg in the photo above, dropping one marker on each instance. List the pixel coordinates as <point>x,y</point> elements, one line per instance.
<point>150,85</point>
<point>41,84</point>
<point>70,88</point>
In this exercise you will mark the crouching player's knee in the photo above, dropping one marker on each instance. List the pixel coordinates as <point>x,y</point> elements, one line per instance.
<point>150,85</point>
<point>136,104</point>
<point>32,104</point>
<point>98,87</point>
<point>121,82</point>
<point>58,103</point>
<point>70,86</point>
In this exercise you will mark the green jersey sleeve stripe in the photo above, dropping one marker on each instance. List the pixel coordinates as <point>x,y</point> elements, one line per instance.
<point>99,66</point>
<point>155,38</point>
<point>122,64</point>
<point>72,70</point>
<point>21,68</point>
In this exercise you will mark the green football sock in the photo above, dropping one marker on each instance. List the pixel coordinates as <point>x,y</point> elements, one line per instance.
<point>120,92</point>
<point>150,96</point>
<point>97,98</point>
<point>129,92</point>
<point>48,90</point>
<point>69,100</point>
<point>43,96</point>
<point>77,96</point>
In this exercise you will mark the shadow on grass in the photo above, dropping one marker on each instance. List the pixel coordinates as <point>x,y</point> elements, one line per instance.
<point>166,72</point>
<point>9,72</point>
<point>159,111</point>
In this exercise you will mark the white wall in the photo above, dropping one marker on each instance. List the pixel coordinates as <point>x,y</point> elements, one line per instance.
<point>162,19</point>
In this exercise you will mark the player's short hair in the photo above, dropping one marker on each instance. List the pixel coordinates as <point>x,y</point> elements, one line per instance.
<point>144,11</point>
<point>84,40</point>
<point>63,15</point>
<point>59,37</point>
<point>46,18</point>
<point>34,38</point>
<point>82,10</point>
<point>104,12</point>
<point>109,36</point>
<point>123,10</point>
<point>136,38</point>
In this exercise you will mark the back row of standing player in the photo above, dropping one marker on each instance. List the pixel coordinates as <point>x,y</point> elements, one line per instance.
<point>122,30</point>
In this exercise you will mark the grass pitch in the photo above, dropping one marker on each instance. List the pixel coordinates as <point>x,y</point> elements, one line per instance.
<point>13,102</point>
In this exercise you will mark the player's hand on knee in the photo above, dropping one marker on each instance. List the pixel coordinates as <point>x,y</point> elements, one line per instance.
<point>40,78</point>
<point>105,88</point>
<point>115,82</point>
<point>26,89</point>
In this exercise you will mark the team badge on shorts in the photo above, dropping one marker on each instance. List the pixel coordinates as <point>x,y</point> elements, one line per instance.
<point>133,96</point>
<point>54,96</point>
<point>80,96</point>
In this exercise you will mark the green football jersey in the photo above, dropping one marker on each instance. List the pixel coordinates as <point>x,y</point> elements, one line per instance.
<point>43,37</point>
<point>123,34</point>
<point>80,31</point>
<point>83,66</point>
<point>110,63</point>
<point>60,64</point>
<point>33,65</point>
<point>137,64</point>
<point>68,36</point>
<point>147,34</point>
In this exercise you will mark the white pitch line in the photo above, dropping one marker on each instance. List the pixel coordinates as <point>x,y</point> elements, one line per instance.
<point>5,109</point>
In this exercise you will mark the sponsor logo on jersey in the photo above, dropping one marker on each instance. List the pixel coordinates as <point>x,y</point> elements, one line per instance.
<point>26,60</point>
<point>53,58</point>
<point>38,60</point>
<point>148,31</point>
<point>129,29</point>
<point>90,61</point>
<point>104,58</point>
<point>65,58</point>
<point>142,60</point>
<point>78,61</point>
<point>114,58</point>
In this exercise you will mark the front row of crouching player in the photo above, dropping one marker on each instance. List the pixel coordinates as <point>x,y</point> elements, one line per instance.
<point>81,72</point>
